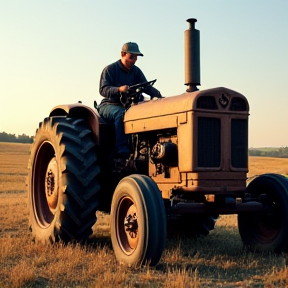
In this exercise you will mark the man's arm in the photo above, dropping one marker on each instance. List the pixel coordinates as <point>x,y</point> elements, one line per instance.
<point>106,87</point>
<point>150,90</point>
<point>153,92</point>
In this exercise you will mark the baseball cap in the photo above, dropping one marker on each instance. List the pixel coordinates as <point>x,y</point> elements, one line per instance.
<point>132,48</point>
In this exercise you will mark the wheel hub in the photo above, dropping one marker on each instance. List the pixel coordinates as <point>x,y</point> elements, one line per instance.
<point>131,226</point>
<point>51,185</point>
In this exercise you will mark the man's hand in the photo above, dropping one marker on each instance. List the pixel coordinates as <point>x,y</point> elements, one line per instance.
<point>123,88</point>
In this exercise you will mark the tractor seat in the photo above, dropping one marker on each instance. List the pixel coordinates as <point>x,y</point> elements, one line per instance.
<point>108,125</point>
<point>97,113</point>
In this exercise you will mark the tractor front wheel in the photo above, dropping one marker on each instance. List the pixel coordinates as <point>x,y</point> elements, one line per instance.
<point>138,221</point>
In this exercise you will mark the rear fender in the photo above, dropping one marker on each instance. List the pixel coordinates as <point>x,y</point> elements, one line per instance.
<point>79,110</point>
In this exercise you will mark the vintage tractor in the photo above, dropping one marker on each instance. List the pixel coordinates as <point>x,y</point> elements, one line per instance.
<point>188,164</point>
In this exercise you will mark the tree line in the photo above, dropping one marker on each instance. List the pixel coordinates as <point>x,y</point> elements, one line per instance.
<point>5,137</point>
<point>270,152</point>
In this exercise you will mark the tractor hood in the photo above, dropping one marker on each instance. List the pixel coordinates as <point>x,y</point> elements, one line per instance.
<point>169,111</point>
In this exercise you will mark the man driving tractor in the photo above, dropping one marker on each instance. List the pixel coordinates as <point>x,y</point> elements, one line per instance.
<point>115,80</point>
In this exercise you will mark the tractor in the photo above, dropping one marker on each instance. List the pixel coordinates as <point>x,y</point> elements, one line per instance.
<point>188,165</point>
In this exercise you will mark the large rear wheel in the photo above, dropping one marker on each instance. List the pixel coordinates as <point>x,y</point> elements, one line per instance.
<point>266,230</point>
<point>63,183</point>
<point>138,221</point>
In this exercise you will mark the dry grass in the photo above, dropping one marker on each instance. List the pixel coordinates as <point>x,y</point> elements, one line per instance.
<point>218,260</point>
<point>260,165</point>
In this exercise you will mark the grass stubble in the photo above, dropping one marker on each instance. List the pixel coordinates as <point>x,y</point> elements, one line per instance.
<point>217,260</point>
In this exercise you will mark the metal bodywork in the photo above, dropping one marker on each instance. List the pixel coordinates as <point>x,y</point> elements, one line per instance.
<point>80,111</point>
<point>184,114</point>
<point>202,125</point>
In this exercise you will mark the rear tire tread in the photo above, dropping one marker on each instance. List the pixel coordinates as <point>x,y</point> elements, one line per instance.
<point>76,155</point>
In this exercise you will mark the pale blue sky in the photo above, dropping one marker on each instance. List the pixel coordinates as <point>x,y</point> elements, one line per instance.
<point>53,52</point>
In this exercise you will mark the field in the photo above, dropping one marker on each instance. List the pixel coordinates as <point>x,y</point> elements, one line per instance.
<point>218,260</point>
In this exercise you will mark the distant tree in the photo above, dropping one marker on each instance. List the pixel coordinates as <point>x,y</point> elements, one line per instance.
<point>5,137</point>
<point>24,139</point>
<point>276,152</point>
<point>254,152</point>
<point>283,152</point>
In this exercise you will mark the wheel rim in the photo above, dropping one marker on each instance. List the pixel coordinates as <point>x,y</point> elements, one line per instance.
<point>45,185</point>
<point>127,225</point>
<point>268,226</point>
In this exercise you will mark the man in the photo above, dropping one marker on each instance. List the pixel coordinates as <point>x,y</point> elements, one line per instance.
<point>116,79</point>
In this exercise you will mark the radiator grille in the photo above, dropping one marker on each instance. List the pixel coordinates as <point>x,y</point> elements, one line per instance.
<point>209,146</point>
<point>206,102</point>
<point>239,143</point>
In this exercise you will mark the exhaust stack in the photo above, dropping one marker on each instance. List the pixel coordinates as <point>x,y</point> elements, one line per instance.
<point>192,56</point>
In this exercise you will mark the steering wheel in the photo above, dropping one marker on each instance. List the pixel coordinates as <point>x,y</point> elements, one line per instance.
<point>142,86</point>
<point>134,93</point>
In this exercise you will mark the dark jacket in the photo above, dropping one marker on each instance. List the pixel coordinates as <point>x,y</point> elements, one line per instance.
<point>115,75</point>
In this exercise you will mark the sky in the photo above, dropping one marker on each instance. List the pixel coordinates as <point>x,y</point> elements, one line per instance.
<point>53,51</point>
